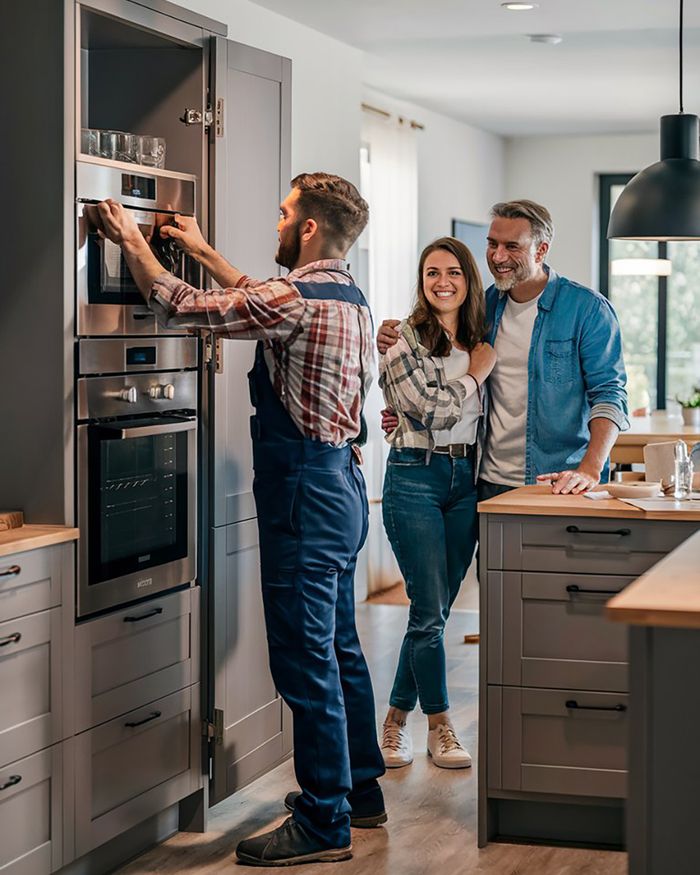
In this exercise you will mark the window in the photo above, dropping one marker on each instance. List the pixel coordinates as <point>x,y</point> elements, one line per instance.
<point>659,315</point>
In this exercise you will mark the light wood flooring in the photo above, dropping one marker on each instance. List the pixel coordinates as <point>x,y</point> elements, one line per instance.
<point>432,812</point>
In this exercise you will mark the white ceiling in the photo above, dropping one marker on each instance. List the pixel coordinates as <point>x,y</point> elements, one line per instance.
<point>616,69</point>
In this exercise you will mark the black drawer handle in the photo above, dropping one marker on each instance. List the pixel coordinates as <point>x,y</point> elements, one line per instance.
<point>12,571</point>
<point>620,533</point>
<point>11,781</point>
<point>575,588</point>
<point>145,616</point>
<point>154,716</point>
<point>11,639</point>
<point>141,316</point>
<point>573,705</point>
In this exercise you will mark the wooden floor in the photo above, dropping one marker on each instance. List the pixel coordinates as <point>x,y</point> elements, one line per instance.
<point>432,812</point>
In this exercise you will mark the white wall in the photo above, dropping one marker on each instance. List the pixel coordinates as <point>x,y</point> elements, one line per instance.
<point>326,83</point>
<point>561,173</point>
<point>460,168</point>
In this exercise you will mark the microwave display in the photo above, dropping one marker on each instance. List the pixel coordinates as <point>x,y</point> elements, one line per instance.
<point>139,186</point>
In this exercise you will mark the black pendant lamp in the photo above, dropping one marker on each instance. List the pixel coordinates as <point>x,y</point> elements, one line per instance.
<point>662,202</point>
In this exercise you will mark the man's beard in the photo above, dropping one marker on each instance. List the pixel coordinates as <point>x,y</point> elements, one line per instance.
<point>289,249</point>
<point>506,282</point>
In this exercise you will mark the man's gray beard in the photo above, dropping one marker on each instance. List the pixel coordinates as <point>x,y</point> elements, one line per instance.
<point>506,283</point>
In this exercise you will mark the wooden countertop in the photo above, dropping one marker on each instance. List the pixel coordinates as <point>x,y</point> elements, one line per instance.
<point>666,595</point>
<point>33,537</point>
<point>657,427</point>
<point>539,501</point>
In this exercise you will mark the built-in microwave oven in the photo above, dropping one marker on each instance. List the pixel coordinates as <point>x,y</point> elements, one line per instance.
<point>108,301</point>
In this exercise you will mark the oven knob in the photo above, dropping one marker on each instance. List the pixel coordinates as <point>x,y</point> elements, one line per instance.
<point>169,391</point>
<point>155,392</point>
<point>128,395</point>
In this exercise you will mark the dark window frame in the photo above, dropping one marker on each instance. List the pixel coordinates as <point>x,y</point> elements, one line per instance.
<point>606,182</point>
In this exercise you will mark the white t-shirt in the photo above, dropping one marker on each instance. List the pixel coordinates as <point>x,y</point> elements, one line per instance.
<point>455,366</point>
<point>504,454</point>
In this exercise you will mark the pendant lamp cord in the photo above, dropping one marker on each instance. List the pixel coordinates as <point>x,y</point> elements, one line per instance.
<point>680,58</point>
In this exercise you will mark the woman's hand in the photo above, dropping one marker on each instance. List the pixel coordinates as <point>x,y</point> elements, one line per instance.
<point>387,335</point>
<point>481,361</point>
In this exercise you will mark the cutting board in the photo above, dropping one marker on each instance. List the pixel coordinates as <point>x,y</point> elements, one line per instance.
<point>11,519</point>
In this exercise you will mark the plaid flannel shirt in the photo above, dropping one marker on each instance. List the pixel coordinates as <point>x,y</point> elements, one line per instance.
<point>318,351</point>
<point>415,388</point>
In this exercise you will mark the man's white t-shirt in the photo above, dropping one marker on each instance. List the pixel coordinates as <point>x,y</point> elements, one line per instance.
<point>455,366</point>
<point>504,454</point>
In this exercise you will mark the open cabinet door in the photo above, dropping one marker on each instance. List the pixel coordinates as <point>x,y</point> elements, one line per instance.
<point>250,171</point>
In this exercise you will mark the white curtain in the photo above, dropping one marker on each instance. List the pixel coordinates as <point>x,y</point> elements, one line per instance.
<point>389,182</point>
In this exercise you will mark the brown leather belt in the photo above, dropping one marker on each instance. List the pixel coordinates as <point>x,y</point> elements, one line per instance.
<point>457,451</point>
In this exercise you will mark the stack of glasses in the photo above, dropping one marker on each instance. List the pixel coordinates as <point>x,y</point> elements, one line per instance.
<point>120,146</point>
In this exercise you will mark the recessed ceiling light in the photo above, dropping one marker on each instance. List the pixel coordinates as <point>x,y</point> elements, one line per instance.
<point>519,7</point>
<point>551,39</point>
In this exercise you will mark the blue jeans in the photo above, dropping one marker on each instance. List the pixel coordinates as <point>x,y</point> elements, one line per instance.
<point>430,518</point>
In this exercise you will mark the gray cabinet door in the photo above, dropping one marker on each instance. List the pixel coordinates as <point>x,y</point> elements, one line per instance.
<point>31,581</point>
<point>256,726</point>
<point>31,814</point>
<point>551,631</point>
<point>134,656</point>
<point>563,741</point>
<point>31,716</point>
<point>135,766</point>
<point>251,161</point>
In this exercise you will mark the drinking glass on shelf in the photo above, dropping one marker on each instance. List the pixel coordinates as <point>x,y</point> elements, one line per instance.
<point>126,147</point>
<point>152,151</point>
<point>89,141</point>
<point>108,144</point>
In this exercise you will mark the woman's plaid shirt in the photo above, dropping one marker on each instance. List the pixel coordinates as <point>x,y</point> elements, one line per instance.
<point>319,352</point>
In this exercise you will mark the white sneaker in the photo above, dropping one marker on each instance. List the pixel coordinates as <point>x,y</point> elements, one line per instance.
<point>397,746</point>
<point>446,749</point>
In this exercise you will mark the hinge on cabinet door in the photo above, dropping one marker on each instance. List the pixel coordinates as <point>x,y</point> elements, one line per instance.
<point>197,117</point>
<point>214,731</point>
<point>213,351</point>
<point>219,125</point>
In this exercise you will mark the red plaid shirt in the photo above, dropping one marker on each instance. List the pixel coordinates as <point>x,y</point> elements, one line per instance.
<point>318,352</point>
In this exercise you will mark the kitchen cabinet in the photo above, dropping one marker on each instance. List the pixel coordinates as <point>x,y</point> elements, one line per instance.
<point>554,703</point>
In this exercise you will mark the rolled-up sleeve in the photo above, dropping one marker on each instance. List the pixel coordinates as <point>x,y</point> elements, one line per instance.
<point>271,309</point>
<point>603,365</point>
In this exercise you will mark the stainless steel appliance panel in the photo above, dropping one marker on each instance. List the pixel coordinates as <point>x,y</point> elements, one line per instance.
<point>111,356</point>
<point>133,394</point>
<point>145,188</point>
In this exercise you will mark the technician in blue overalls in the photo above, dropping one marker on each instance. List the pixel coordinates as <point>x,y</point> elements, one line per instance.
<point>311,373</point>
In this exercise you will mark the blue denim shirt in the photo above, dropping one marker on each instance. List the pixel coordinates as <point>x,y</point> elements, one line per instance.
<point>575,373</point>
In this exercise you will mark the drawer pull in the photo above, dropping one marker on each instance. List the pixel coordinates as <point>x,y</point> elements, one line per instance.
<point>573,705</point>
<point>154,716</point>
<point>145,616</point>
<point>575,589</point>
<point>620,533</point>
<point>12,571</point>
<point>11,639</point>
<point>11,781</point>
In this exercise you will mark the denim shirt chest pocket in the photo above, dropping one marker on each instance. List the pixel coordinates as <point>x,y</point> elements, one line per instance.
<point>560,361</point>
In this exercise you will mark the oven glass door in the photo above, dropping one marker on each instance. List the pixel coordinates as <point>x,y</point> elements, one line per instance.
<point>108,278</point>
<point>139,496</point>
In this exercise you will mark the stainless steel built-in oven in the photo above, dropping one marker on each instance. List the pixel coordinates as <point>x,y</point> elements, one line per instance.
<point>137,458</point>
<point>109,303</point>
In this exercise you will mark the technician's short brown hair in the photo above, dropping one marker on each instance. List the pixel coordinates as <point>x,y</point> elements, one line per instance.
<point>335,204</point>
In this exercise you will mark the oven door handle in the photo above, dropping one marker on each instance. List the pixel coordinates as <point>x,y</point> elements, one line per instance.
<point>137,431</point>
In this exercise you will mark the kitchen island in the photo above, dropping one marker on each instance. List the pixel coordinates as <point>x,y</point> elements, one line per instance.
<point>663,610</point>
<point>553,712</point>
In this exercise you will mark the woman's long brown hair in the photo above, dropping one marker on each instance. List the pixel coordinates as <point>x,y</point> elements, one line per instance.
<point>471,319</point>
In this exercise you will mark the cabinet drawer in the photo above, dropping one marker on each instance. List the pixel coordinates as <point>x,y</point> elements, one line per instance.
<point>30,680</point>
<point>135,655</point>
<point>135,766</point>
<point>563,741</point>
<point>31,581</point>
<point>579,545</point>
<point>31,814</point>
<point>553,631</point>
